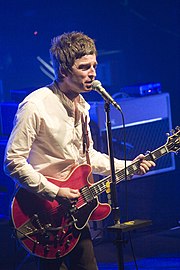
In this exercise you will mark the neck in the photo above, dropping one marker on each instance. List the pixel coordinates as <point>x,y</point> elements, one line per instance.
<point>69,93</point>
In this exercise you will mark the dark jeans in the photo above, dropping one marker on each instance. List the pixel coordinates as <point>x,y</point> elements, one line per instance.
<point>80,258</point>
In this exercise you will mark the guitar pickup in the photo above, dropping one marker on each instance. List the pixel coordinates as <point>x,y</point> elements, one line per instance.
<point>86,194</point>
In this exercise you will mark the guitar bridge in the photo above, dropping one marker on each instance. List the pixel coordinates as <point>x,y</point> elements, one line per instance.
<point>32,227</point>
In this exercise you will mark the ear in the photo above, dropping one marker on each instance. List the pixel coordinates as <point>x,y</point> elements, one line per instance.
<point>63,72</point>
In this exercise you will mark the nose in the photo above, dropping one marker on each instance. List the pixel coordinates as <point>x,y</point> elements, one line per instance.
<point>92,72</point>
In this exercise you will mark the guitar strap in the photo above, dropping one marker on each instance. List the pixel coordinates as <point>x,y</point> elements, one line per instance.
<point>86,144</point>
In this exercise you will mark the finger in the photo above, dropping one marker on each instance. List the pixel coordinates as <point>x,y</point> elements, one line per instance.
<point>75,193</point>
<point>142,170</point>
<point>148,163</point>
<point>141,156</point>
<point>153,164</point>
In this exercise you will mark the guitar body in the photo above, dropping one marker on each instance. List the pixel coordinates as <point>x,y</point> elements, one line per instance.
<point>52,229</point>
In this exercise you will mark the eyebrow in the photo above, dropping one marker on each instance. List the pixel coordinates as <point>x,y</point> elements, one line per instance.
<point>85,64</point>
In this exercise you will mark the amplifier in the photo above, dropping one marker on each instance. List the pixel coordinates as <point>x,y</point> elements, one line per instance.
<point>135,110</point>
<point>141,138</point>
<point>142,90</point>
<point>147,120</point>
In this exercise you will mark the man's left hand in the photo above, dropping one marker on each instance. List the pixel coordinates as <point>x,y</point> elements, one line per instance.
<point>145,165</point>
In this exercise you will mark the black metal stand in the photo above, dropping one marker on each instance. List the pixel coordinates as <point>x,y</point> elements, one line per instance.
<point>118,228</point>
<point>114,201</point>
<point>119,242</point>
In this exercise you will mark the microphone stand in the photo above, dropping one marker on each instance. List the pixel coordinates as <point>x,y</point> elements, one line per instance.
<point>114,201</point>
<point>118,227</point>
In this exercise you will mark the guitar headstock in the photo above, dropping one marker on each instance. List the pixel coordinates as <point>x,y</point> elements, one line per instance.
<point>173,141</point>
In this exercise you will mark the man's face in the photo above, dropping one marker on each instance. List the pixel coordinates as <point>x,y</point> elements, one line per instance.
<point>82,75</point>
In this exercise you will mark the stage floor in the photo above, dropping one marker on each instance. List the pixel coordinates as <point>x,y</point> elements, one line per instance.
<point>152,250</point>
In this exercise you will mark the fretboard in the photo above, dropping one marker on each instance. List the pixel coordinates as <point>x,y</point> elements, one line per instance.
<point>132,169</point>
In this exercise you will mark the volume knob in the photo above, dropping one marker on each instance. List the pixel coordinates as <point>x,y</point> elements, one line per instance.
<point>58,253</point>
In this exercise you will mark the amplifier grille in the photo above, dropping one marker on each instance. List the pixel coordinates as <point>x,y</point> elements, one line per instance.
<point>139,139</point>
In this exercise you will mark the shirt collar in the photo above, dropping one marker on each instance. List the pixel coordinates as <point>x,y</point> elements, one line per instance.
<point>68,104</point>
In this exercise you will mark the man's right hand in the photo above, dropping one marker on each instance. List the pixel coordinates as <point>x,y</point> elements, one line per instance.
<point>68,193</point>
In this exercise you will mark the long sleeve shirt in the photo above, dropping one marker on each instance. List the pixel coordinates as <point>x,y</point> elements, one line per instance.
<point>47,141</point>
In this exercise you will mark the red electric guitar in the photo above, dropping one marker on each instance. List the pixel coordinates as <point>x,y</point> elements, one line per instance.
<point>52,229</point>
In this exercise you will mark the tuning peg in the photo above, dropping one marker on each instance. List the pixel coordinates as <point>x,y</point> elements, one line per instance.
<point>177,128</point>
<point>167,134</point>
<point>172,131</point>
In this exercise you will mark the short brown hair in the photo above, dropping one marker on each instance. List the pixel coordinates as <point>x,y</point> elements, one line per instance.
<point>68,47</point>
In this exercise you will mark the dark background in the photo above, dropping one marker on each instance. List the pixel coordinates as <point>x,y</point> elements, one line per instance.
<point>138,42</point>
<point>139,38</point>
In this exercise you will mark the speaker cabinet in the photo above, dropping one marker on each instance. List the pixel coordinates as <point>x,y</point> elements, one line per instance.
<point>147,120</point>
<point>140,138</point>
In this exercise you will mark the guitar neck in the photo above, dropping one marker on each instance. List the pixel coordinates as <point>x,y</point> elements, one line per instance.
<point>132,169</point>
<point>135,166</point>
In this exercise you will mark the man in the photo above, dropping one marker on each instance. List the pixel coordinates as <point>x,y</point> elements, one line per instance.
<point>47,138</point>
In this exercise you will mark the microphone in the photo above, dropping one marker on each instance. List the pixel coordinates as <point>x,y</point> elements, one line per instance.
<point>97,86</point>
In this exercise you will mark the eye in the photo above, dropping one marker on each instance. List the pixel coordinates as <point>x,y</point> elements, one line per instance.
<point>84,66</point>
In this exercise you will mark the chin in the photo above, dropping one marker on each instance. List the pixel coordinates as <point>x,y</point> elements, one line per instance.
<point>87,91</point>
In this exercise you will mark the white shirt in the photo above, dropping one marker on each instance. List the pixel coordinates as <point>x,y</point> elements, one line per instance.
<point>46,141</point>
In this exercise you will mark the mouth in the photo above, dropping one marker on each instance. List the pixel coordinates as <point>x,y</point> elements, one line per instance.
<point>88,84</point>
